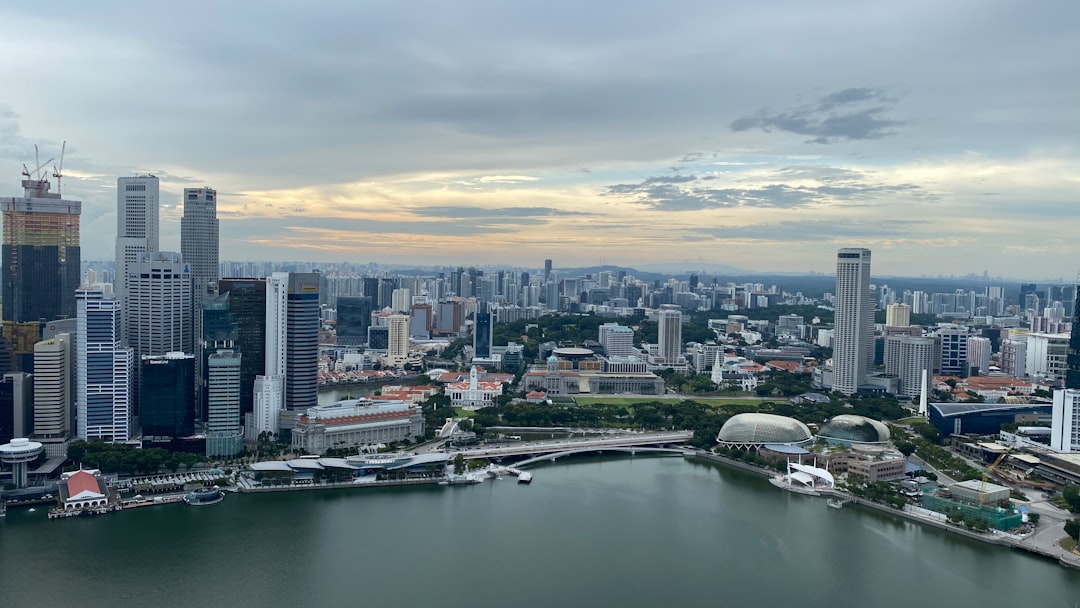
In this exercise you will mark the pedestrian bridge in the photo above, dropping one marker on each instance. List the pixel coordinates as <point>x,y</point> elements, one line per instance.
<point>563,447</point>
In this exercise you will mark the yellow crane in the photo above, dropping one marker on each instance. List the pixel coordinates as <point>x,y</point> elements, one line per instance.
<point>990,469</point>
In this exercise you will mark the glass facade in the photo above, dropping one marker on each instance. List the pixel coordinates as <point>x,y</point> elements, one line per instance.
<point>353,320</point>
<point>167,403</point>
<point>763,428</point>
<point>247,305</point>
<point>857,429</point>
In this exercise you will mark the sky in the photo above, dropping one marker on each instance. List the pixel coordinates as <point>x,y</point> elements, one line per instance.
<point>678,135</point>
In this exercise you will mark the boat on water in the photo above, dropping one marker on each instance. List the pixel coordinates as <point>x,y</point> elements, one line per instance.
<point>525,477</point>
<point>199,498</point>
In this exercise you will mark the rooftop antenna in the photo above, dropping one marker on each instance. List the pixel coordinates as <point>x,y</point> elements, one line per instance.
<point>58,172</point>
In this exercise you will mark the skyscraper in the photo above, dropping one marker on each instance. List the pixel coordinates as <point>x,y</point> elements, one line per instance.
<point>1072,358</point>
<point>853,346</point>
<point>224,437</point>
<point>104,370</point>
<point>54,392</point>
<point>159,294</point>
<point>247,305</point>
<point>397,347</point>
<point>40,254</point>
<point>482,338</point>
<point>292,336</point>
<point>199,248</point>
<point>669,335</point>
<point>547,270</point>
<point>898,315</point>
<point>137,232</point>
<point>353,320</point>
<point>167,396</point>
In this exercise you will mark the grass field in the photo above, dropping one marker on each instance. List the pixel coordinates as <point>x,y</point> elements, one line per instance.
<point>630,401</point>
<point>911,420</point>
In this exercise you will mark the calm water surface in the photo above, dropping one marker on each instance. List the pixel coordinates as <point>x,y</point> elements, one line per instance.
<point>626,532</point>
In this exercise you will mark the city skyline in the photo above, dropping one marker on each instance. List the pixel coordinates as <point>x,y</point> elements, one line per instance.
<point>761,139</point>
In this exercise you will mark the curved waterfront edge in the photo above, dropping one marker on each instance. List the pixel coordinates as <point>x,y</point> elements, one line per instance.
<point>1073,563</point>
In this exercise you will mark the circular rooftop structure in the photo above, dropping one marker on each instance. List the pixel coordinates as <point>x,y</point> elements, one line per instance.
<point>849,428</point>
<point>755,430</point>
<point>20,450</point>
<point>572,352</point>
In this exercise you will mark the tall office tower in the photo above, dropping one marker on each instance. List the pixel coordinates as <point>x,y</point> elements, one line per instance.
<point>41,255</point>
<point>617,340</point>
<point>954,354</point>
<point>669,334</point>
<point>353,320</point>
<point>400,300</point>
<point>907,357</point>
<point>167,396</point>
<point>371,289</point>
<point>159,294</point>
<point>482,335</point>
<point>1065,421</point>
<point>397,347</point>
<point>54,370</point>
<point>547,270</point>
<point>220,332</point>
<point>292,336</point>
<point>1072,357</point>
<point>978,356</point>
<point>266,412</point>
<point>16,405</point>
<point>247,305</point>
<point>898,315</point>
<point>853,346</point>
<point>199,247</point>
<point>104,370</point>
<point>137,232</point>
<point>224,429</point>
<point>420,321</point>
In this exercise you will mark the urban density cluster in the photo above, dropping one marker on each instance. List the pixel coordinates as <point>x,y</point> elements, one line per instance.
<point>187,352</point>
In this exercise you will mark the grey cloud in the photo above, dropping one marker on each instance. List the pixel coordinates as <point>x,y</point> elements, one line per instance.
<point>818,230</point>
<point>835,186</point>
<point>836,117</point>
<point>486,213</point>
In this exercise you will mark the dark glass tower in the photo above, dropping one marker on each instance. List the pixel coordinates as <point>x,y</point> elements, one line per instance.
<point>482,333</point>
<point>247,305</point>
<point>353,320</point>
<point>1072,356</point>
<point>167,399</point>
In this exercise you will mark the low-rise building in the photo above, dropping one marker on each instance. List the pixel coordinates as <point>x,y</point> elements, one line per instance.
<point>356,422</point>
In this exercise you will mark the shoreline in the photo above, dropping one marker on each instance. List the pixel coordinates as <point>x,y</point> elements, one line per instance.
<point>906,515</point>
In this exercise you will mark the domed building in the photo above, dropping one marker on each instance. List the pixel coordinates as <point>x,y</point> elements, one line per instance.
<point>848,428</point>
<point>751,431</point>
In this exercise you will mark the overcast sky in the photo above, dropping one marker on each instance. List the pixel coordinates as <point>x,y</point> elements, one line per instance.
<point>942,135</point>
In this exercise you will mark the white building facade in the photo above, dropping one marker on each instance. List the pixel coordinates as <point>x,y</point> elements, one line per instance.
<point>1065,421</point>
<point>854,320</point>
<point>104,370</point>
<point>137,227</point>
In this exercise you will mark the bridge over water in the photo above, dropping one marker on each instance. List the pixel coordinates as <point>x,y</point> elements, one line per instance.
<point>563,447</point>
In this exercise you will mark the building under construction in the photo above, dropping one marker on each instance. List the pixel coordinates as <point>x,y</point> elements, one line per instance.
<point>41,257</point>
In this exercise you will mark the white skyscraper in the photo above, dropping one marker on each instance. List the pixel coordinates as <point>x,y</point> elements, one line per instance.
<point>898,315</point>
<point>397,348</point>
<point>669,335</point>
<point>269,397</point>
<point>617,340</point>
<point>104,370</point>
<point>224,436</point>
<point>54,393</point>
<point>1065,421</point>
<point>137,203</point>
<point>199,248</point>
<point>853,346</point>
<point>978,355</point>
<point>159,296</point>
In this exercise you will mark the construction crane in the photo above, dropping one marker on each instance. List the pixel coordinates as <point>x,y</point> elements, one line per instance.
<point>58,172</point>
<point>990,469</point>
<point>36,173</point>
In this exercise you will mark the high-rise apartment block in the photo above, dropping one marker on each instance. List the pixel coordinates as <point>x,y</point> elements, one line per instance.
<point>397,347</point>
<point>853,345</point>
<point>41,256</point>
<point>898,315</point>
<point>617,340</point>
<point>104,370</point>
<point>907,357</point>
<point>669,336</point>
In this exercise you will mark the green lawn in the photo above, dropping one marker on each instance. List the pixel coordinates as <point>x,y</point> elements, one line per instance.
<point>631,401</point>
<point>463,413</point>
<point>911,420</point>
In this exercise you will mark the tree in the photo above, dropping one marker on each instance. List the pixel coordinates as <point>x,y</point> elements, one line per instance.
<point>906,448</point>
<point>1071,494</point>
<point>1072,528</point>
<point>459,464</point>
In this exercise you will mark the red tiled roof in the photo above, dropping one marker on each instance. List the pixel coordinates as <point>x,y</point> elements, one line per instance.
<point>82,482</point>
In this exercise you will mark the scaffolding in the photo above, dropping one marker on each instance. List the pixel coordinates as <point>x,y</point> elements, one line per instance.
<point>995,517</point>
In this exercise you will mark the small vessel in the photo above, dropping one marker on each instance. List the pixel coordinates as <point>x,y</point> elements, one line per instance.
<point>525,477</point>
<point>31,510</point>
